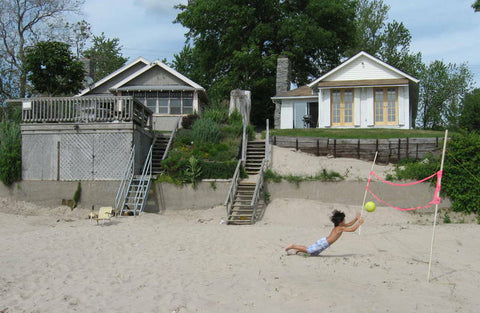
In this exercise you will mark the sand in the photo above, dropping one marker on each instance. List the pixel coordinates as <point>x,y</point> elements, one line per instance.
<point>56,260</point>
<point>286,161</point>
<point>188,261</point>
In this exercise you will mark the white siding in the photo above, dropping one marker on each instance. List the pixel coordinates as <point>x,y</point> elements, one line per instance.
<point>357,106</point>
<point>361,69</point>
<point>324,108</point>
<point>286,115</point>
<point>369,108</point>
<point>403,107</point>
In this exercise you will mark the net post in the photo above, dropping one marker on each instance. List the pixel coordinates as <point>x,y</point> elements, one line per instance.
<point>436,206</point>
<point>365,195</point>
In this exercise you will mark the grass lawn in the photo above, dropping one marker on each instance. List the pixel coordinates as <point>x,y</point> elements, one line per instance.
<point>356,133</point>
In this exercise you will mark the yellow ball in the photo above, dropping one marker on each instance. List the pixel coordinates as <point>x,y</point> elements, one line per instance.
<point>370,206</point>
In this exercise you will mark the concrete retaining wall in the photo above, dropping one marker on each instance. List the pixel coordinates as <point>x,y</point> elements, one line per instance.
<point>352,193</point>
<point>51,193</point>
<point>208,194</point>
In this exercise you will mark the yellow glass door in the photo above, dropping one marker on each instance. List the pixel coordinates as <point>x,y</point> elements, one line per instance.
<point>386,106</point>
<point>342,107</point>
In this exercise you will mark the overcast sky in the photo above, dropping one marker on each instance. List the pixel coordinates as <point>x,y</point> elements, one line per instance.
<point>441,29</point>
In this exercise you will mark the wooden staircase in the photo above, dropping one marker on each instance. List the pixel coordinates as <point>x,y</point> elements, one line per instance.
<point>255,156</point>
<point>159,147</point>
<point>242,211</point>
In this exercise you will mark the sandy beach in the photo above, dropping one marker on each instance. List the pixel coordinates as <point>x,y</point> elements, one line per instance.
<point>56,260</point>
<point>187,261</point>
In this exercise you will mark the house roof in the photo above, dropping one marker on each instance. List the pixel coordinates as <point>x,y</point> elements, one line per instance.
<point>368,56</point>
<point>110,76</point>
<point>304,92</point>
<point>164,67</point>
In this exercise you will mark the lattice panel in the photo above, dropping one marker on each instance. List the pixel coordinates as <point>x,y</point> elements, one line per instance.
<point>76,157</point>
<point>101,156</point>
<point>112,151</point>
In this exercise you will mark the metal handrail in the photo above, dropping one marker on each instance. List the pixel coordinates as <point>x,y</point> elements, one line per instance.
<point>234,180</point>
<point>244,143</point>
<point>267,142</point>
<point>234,184</point>
<point>259,183</point>
<point>170,141</point>
<point>146,174</point>
<point>121,193</point>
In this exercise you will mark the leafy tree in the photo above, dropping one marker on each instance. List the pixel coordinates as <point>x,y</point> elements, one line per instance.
<point>10,153</point>
<point>476,6</point>
<point>52,68</point>
<point>469,116</point>
<point>442,88</point>
<point>235,44</point>
<point>22,24</point>
<point>105,56</point>
<point>75,34</point>
<point>389,41</point>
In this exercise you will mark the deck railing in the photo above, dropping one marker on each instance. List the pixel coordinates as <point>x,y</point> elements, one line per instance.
<point>84,110</point>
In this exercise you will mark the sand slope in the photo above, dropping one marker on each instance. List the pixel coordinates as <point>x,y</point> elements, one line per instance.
<point>188,262</point>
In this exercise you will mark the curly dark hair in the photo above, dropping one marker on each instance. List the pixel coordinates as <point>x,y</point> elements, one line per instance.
<point>337,217</point>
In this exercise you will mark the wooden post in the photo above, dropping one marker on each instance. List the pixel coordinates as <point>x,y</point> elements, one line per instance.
<point>296,144</point>
<point>274,140</point>
<point>58,160</point>
<point>416,153</point>
<point>334,148</point>
<point>365,194</point>
<point>408,143</point>
<point>358,149</point>
<point>439,183</point>
<point>398,152</point>
<point>318,147</point>
<point>389,150</point>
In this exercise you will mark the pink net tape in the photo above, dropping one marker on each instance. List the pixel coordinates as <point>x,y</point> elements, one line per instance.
<point>436,197</point>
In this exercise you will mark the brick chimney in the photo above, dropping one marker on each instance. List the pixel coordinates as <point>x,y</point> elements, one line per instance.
<point>282,85</point>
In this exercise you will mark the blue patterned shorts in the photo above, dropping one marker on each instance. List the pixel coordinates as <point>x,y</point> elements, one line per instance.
<point>318,246</point>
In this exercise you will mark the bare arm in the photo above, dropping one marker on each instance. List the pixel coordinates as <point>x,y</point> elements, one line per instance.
<point>353,228</point>
<point>354,220</point>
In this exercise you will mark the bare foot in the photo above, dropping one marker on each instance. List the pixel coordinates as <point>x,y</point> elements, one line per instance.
<point>289,247</point>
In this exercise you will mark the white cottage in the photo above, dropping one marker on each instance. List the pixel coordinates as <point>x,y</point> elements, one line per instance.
<point>362,92</point>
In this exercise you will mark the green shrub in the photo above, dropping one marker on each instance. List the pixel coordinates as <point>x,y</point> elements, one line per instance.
<point>218,170</point>
<point>446,218</point>
<point>193,171</point>
<point>325,175</point>
<point>10,153</point>
<point>411,169</point>
<point>461,178</point>
<point>235,118</point>
<point>183,137</point>
<point>187,121</point>
<point>77,195</point>
<point>206,130</point>
<point>271,175</point>
<point>217,113</point>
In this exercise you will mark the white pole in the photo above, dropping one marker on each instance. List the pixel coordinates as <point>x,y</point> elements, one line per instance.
<point>365,195</point>
<point>436,206</point>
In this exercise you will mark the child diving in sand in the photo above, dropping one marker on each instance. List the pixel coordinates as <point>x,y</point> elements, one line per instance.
<point>338,220</point>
